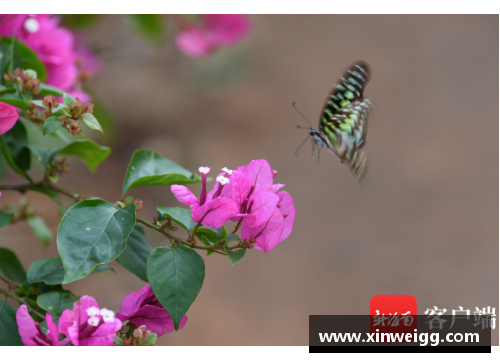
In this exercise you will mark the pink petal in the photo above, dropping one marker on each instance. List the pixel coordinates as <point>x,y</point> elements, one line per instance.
<point>53,331</point>
<point>193,42</point>
<point>259,174</point>
<point>8,117</point>
<point>215,212</point>
<point>287,206</point>
<point>183,194</point>
<point>156,319</point>
<point>276,187</point>
<point>103,335</point>
<point>264,204</point>
<point>26,326</point>
<point>270,232</point>
<point>80,308</point>
<point>226,189</point>
<point>226,29</point>
<point>133,301</point>
<point>239,187</point>
<point>67,321</point>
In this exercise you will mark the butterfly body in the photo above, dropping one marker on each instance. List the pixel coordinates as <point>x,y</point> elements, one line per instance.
<point>343,122</point>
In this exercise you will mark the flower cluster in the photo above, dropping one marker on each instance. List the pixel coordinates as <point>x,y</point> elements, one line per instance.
<point>247,196</point>
<point>213,32</point>
<point>85,325</point>
<point>67,63</point>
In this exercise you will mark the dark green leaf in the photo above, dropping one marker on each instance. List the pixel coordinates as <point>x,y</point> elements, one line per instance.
<point>4,59</point>
<point>57,301</point>
<point>232,237</point>
<point>16,139</point>
<point>52,124</point>
<point>91,122</point>
<point>136,253</point>
<point>151,26</point>
<point>147,168</point>
<point>43,154</point>
<point>11,267</point>
<point>48,90</point>
<point>16,102</point>
<point>10,160</point>
<point>90,152</point>
<point>5,90</point>
<point>103,268</point>
<point>68,100</point>
<point>9,334</point>
<point>235,255</point>
<point>28,59</point>
<point>150,341</point>
<point>177,214</point>
<point>40,229</point>
<point>15,60</point>
<point>79,20</point>
<point>212,234</point>
<point>92,233</point>
<point>48,270</point>
<point>176,276</point>
<point>5,219</point>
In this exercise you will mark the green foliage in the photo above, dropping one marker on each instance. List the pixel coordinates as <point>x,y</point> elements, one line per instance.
<point>47,270</point>
<point>11,267</point>
<point>88,151</point>
<point>148,168</point>
<point>48,90</point>
<point>51,125</point>
<point>9,335</point>
<point>136,253</point>
<point>17,155</point>
<point>40,229</point>
<point>176,276</point>
<point>91,122</point>
<point>5,90</point>
<point>151,26</point>
<point>26,58</point>
<point>57,301</point>
<point>92,233</point>
<point>236,255</point>
<point>5,219</point>
<point>15,101</point>
<point>182,217</point>
<point>68,100</point>
<point>150,341</point>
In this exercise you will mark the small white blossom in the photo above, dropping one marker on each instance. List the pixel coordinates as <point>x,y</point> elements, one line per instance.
<point>31,25</point>
<point>93,311</point>
<point>93,321</point>
<point>204,170</point>
<point>107,315</point>
<point>223,180</point>
<point>229,172</point>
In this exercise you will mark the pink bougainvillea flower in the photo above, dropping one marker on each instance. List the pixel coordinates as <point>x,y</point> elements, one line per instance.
<point>8,117</point>
<point>211,210</point>
<point>215,31</point>
<point>142,308</point>
<point>31,333</point>
<point>87,325</point>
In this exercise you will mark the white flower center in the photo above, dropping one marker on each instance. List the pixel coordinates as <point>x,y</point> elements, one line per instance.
<point>223,180</point>
<point>204,170</point>
<point>93,321</point>
<point>31,25</point>
<point>93,311</point>
<point>228,171</point>
<point>107,315</point>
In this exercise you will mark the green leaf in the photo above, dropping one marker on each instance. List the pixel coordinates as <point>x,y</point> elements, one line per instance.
<point>15,60</point>
<point>236,255</point>
<point>5,90</point>
<point>176,276</point>
<point>10,161</point>
<point>9,334</point>
<point>43,154</point>
<point>53,195</point>
<point>212,234</point>
<point>148,168</point>
<point>151,26</point>
<point>90,152</point>
<point>103,268</point>
<point>181,216</point>
<point>5,219</point>
<point>50,125</point>
<point>16,102</point>
<point>4,59</point>
<point>92,233</point>
<point>136,253</point>
<point>47,270</point>
<point>40,229</point>
<point>11,267</point>
<point>48,90</point>
<point>232,237</point>
<point>16,139</point>
<point>57,301</point>
<point>28,59</point>
<point>118,341</point>
<point>68,100</point>
<point>91,122</point>
<point>150,341</point>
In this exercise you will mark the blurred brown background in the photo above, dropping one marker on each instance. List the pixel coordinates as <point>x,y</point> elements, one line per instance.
<point>425,222</point>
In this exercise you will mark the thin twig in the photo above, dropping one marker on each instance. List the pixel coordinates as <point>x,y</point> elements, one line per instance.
<point>20,300</point>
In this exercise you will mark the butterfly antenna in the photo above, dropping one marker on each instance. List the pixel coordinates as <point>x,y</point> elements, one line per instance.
<point>302,144</point>
<point>293,104</point>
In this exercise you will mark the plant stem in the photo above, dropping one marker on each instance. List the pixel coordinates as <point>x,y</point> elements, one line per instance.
<point>8,282</point>
<point>20,300</point>
<point>237,226</point>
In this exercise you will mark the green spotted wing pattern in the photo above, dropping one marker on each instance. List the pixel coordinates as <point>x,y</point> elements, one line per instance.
<point>343,122</point>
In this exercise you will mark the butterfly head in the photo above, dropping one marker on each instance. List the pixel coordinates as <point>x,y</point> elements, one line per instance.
<point>317,137</point>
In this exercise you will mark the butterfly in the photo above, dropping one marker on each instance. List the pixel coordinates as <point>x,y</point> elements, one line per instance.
<point>343,122</point>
